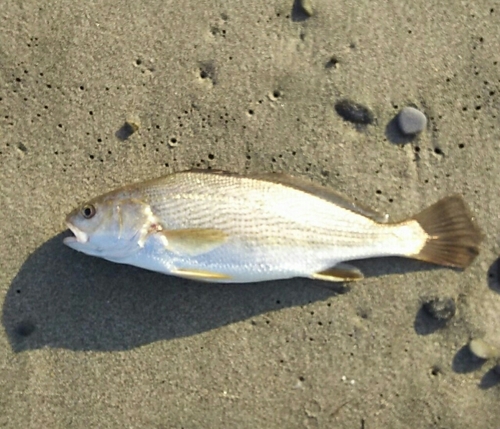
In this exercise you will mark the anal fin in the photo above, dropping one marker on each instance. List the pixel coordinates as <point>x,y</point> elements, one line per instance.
<point>339,273</point>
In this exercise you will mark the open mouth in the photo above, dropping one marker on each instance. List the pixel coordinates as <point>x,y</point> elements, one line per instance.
<point>80,236</point>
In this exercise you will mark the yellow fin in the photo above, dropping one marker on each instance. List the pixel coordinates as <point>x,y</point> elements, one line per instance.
<point>453,237</point>
<point>193,241</point>
<point>339,273</point>
<point>194,274</point>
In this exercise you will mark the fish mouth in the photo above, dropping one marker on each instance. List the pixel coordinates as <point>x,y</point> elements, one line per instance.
<point>79,236</point>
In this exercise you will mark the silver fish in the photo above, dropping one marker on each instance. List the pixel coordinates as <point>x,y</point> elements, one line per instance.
<point>217,226</point>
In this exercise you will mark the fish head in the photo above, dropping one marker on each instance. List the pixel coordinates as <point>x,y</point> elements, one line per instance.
<point>110,227</point>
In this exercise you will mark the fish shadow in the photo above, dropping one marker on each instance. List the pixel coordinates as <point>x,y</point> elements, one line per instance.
<point>64,299</point>
<point>387,266</point>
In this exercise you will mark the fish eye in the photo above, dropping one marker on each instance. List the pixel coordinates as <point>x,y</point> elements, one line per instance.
<point>88,211</point>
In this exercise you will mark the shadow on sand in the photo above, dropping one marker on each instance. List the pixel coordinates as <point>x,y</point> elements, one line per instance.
<point>63,299</point>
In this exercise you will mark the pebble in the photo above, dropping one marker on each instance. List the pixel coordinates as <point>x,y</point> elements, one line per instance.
<point>411,121</point>
<point>127,129</point>
<point>306,6</point>
<point>483,350</point>
<point>354,112</point>
<point>442,309</point>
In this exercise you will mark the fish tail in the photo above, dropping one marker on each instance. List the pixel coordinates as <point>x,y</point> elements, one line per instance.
<point>453,238</point>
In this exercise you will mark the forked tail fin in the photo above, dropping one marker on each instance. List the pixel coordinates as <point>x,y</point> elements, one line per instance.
<point>454,238</point>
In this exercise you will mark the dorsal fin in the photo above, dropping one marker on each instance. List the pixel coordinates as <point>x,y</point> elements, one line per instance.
<point>308,187</point>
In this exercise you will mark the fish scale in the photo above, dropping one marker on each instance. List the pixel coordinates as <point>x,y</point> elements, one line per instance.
<point>271,225</point>
<point>232,214</point>
<point>218,226</point>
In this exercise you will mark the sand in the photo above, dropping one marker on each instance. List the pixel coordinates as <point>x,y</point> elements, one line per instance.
<point>246,87</point>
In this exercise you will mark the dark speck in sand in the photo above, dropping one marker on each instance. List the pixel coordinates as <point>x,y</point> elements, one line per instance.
<point>354,112</point>
<point>25,328</point>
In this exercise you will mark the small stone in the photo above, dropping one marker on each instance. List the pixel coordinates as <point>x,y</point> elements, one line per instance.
<point>134,126</point>
<point>411,121</point>
<point>306,6</point>
<point>332,63</point>
<point>442,309</point>
<point>483,350</point>
<point>127,129</point>
<point>22,147</point>
<point>354,112</point>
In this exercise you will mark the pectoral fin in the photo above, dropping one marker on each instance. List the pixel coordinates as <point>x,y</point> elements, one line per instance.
<point>201,275</point>
<point>193,241</point>
<point>339,273</point>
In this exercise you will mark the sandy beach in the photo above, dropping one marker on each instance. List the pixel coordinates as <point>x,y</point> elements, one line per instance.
<point>247,87</point>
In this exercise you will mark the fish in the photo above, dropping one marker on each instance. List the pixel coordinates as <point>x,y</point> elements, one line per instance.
<point>223,227</point>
